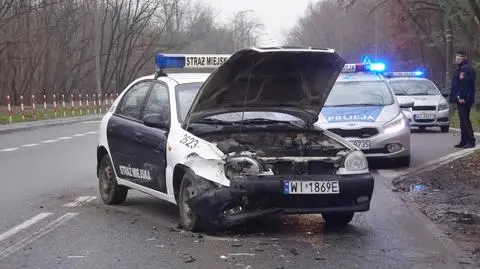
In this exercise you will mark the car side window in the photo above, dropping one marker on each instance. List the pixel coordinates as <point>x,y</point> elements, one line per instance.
<point>158,102</point>
<point>132,102</point>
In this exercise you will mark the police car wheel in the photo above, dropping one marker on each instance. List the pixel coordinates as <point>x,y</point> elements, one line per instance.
<point>445,129</point>
<point>110,192</point>
<point>337,219</point>
<point>188,218</point>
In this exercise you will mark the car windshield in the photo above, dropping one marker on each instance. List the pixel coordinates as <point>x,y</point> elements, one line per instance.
<point>414,87</point>
<point>187,92</point>
<point>351,93</point>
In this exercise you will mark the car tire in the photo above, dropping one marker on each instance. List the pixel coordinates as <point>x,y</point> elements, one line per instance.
<point>445,129</point>
<point>189,219</point>
<point>337,219</point>
<point>110,191</point>
<point>403,161</point>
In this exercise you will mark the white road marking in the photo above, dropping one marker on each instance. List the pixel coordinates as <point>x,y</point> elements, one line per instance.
<point>34,236</point>
<point>92,132</point>
<point>80,201</point>
<point>49,141</point>
<point>64,138</point>
<point>92,121</point>
<point>74,257</point>
<point>24,225</point>
<point>29,145</point>
<point>77,135</point>
<point>8,150</point>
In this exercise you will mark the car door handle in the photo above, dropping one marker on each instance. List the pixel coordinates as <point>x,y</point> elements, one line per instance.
<point>138,135</point>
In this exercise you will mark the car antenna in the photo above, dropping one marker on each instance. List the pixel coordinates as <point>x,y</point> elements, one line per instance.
<point>160,73</point>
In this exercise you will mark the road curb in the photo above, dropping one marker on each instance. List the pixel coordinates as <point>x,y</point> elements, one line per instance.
<point>461,256</point>
<point>44,124</point>
<point>458,130</point>
<point>396,175</point>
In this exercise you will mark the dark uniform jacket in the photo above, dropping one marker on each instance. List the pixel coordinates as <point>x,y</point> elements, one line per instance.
<point>463,88</point>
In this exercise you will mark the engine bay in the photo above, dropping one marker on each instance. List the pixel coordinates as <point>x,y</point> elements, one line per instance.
<point>277,144</point>
<point>279,153</point>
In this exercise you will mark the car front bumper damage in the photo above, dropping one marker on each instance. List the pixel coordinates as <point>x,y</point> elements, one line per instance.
<point>256,196</point>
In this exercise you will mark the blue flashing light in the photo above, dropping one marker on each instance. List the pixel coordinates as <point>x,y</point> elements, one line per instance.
<point>418,73</point>
<point>166,61</point>
<point>376,67</point>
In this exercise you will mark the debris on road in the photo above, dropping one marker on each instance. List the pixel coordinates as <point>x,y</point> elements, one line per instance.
<point>294,251</point>
<point>449,196</point>
<point>188,258</point>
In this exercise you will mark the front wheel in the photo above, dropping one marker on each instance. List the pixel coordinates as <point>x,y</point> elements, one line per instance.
<point>337,219</point>
<point>444,129</point>
<point>189,219</point>
<point>110,192</point>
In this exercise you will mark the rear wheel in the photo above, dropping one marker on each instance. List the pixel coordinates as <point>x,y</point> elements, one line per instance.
<point>110,192</point>
<point>337,219</point>
<point>403,161</point>
<point>444,129</point>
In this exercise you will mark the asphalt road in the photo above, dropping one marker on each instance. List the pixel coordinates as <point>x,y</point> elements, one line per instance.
<point>51,217</point>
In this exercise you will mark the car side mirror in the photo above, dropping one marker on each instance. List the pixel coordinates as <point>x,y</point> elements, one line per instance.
<point>406,104</point>
<point>158,121</point>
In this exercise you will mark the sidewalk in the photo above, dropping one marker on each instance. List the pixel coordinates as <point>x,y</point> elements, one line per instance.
<point>31,125</point>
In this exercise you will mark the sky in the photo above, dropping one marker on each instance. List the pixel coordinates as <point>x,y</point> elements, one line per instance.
<point>277,16</point>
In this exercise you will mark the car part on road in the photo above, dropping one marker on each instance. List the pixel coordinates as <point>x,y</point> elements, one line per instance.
<point>337,219</point>
<point>110,191</point>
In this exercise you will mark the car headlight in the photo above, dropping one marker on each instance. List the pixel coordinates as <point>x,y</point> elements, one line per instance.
<point>241,166</point>
<point>395,125</point>
<point>355,161</point>
<point>443,106</point>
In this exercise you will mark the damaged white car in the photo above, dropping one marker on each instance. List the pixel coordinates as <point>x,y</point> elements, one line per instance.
<point>235,144</point>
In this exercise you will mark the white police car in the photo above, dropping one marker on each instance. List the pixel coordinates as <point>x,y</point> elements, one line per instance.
<point>183,138</point>
<point>363,109</point>
<point>430,107</point>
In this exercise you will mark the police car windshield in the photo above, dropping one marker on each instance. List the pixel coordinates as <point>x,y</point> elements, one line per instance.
<point>185,95</point>
<point>187,92</point>
<point>356,93</point>
<point>413,87</point>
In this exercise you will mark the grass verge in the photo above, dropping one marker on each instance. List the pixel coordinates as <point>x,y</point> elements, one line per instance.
<point>474,117</point>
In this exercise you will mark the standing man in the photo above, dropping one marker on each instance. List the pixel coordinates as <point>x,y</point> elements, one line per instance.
<point>463,94</point>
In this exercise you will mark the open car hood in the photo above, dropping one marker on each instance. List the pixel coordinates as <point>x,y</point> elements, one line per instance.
<point>296,81</point>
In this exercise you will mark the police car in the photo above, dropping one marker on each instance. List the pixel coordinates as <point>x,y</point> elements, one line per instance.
<point>430,108</point>
<point>363,109</point>
<point>235,144</point>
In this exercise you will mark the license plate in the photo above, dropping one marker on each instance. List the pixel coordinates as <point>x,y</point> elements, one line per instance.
<point>361,144</point>
<point>424,116</point>
<point>311,187</point>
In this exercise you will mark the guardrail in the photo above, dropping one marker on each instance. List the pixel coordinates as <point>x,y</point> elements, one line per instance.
<point>55,106</point>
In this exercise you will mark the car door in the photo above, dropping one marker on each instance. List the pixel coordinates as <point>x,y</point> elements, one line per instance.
<point>152,141</point>
<point>122,130</point>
